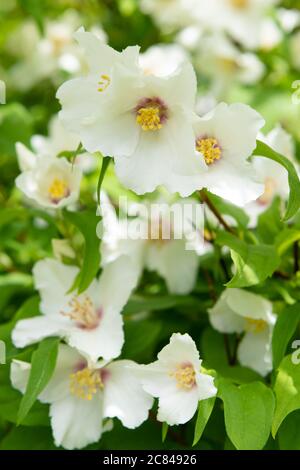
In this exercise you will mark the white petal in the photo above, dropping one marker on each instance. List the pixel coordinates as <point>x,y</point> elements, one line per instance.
<point>255,352</point>
<point>205,385</point>
<point>181,349</point>
<point>104,341</point>
<point>58,388</point>
<point>249,305</point>
<point>124,397</point>
<point>19,374</point>
<point>155,379</point>
<point>179,407</point>
<point>35,329</point>
<point>76,422</point>
<point>117,281</point>
<point>53,280</point>
<point>26,158</point>
<point>177,265</point>
<point>223,318</point>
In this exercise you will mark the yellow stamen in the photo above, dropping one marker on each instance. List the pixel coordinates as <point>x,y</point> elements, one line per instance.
<point>58,189</point>
<point>209,148</point>
<point>255,325</point>
<point>185,377</point>
<point>104,82</point>
<point>239,3</point>
<point>149,118</point>
<point>228,65</point>
<point>85,383</point>
<point>83,311</point>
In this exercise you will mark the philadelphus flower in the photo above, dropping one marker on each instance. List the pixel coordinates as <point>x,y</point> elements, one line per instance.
<point>225,139</point>
<point>82,394</point>
<point>51,182</point>
<point>239,311</point>
<point>170,14</point>
<point>219,58</point>
<point>148,129</point>
<point>44,57</point>
<point>275,177</point>
<point>91,321</point>
<point>244,20</point>
<point>60,140</point>
<point>176,380</point>
<point>160,238</point>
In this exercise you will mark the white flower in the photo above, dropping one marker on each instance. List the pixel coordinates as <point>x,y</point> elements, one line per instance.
<point>170,14</point>
<point>82,394</point>
<point>225,139</point>
<point>60,140</point>
<point>2,92</point>
<point>162,240</point>
<point>220,59</point>
<point>47,56</point>
<point>176,380</point>
<point>51,182</point>
<point>162,59</point>
<point>144,121</point>
<point>239,311</point>
<point>91,321</point>
<point>244,20</point>
<point>274,176</point>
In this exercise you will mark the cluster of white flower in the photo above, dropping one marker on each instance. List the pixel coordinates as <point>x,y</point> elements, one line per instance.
<point>147,122</point>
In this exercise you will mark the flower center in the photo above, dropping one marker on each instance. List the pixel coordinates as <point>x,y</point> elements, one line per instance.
<point>270,188</point>
<point>210,149</point>
<point>159,231</point>
<point>239,3</point>
<point>185,376</point>
<point>255,326</point>
<point>151,114</point>
<point>83,312</point>
<point>58,190</point>
<point>85,383</point>
<point>104,82</point>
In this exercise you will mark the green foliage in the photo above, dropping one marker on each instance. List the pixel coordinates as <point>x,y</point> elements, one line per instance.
<point>205,409</point>
<point>253,263</point>
<point>249,410</point>
<point>284,329</point>
<point>42,367</point>
<point>287,391</point>
<point>264,150</point>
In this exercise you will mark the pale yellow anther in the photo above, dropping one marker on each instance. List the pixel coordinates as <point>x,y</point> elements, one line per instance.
<point>85,383</point>
<point>209,148</point>
<point>185,377</point>
<point>149,118</point>
<point>82,311</point>
<point>239,3</point>
<point>104,82</point>
<point>255,325</point>
<point>270,188</point>
<point>58,189</point>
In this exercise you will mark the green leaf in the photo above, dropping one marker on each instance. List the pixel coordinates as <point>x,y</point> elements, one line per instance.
<point>253,263</point>
<point>35,8</point>
<point>287,391</point>
<point>263,150</point>
<point>205,409</point>
<point>285,239</point>
<point>164,431</point>
<point>269,224</point>
<point>226,208</point>
<point>105,164</point>
<point>284,329</point>
<point>288,434</point>
<point>248,410</point>
<point>23,438</point>
<point>140,338</point>
<point>42,367</point>
<point>86,222</point>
